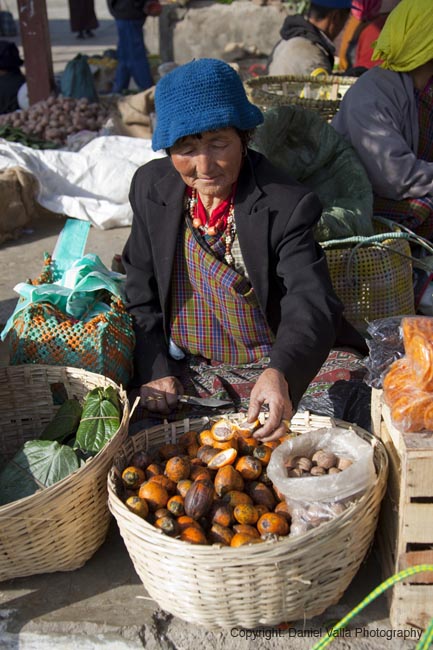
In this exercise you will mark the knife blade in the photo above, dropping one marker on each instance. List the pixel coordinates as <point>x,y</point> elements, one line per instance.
<point>211,402</point>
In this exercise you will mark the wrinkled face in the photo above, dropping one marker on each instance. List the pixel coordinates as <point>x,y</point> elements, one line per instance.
<point>210,163</point>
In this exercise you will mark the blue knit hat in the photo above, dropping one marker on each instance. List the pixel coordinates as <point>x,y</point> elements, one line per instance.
<point>203,95</point>
<point>333,4</point>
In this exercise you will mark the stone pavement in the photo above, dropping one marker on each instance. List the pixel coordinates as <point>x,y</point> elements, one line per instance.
<point>104,605</point>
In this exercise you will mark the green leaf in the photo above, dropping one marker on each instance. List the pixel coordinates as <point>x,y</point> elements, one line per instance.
<point>38,464</point>
<point>100,419</point>
<point>65,422</point>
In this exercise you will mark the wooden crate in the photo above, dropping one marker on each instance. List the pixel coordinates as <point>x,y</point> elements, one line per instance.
<point>405,531</point>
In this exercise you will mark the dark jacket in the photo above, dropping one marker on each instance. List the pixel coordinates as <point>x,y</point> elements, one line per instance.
<point>274,217</point>
<point>10,83</point>
<point>299,26</point>
<point>127,9</point>
<point>288,57</point>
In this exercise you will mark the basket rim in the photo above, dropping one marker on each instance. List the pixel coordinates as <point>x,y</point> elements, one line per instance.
<point>254,82</point>
<point>251,551</point>
<point>32,501</point>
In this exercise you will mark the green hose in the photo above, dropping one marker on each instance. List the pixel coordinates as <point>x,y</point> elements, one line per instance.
<point>426,639</point>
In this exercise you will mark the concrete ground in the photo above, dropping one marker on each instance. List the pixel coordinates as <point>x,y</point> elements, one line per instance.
<point>104,604</point>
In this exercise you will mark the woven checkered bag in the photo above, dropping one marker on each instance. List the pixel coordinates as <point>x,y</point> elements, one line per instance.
<point>103,344</point>
<point>372,276</point>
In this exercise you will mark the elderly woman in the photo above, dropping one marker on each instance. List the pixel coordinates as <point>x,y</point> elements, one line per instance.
<point>224,279</point>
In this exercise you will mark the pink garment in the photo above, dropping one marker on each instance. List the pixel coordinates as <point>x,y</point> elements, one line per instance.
<point>367,37</point>
<point>366,9</point>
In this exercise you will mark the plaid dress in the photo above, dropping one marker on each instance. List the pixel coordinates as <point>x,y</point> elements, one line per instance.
<point>416,214</point>
<point>215,312</point>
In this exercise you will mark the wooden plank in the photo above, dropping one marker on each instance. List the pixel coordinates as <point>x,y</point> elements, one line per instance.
<point>411,606</point>
<point>417,524</point>
<point>376,411</point>
<point>394,476</point>
<point>386,537</point>
<point>413,558</point>
<point>419,477</point>
<point>35,38</point>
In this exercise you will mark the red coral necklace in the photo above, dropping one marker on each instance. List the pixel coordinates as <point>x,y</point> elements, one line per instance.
<point>220,221</point>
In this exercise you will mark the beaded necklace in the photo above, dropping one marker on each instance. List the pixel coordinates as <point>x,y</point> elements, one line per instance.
<point>211,231</point>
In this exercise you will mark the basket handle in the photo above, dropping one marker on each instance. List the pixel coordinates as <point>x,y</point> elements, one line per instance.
<point>378,240</point>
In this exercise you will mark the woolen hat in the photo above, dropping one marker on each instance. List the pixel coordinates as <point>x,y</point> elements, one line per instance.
<point>203,95</point>
<point>333,4</point>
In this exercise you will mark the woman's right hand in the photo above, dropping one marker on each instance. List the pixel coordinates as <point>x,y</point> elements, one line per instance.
<point>160,396</point>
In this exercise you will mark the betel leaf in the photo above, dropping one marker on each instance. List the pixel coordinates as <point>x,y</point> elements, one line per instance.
<point>100,419</point>
<point>38,464</point>
<point>65,422</point>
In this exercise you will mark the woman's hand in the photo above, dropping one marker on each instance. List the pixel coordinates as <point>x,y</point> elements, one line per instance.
<point>160,396</point>
<point>272,389</point>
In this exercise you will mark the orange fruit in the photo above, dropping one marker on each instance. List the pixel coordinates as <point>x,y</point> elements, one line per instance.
<point>206,438</point>
<point>137,506</point>
<point>246,529</point>
<point>222,430</point>
<point>220,535</point>
<point>228,478</point>
<point>155,494</point>
<point>249,467</point>
<point>245,513</point>
<point>273,523</point>
<point>178,468</point>
<point>224,457</point>
<point>193,535</point>
<point>133,477</point>
<point>175,505</point>
<point>240,539</point>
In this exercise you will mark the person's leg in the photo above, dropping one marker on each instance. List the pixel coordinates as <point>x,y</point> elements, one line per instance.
<point>139,64</point>
<point>123,73</point>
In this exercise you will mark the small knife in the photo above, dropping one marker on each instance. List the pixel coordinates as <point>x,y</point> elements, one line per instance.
<point>211,402</point>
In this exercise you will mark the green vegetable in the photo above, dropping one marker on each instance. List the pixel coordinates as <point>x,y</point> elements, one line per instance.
<point>65,422</point>
<point>38,464</point>
<point>100,419</point>
<point>14,134</point>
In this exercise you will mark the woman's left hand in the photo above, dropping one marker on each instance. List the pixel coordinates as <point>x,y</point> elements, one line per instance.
<point>272,389</point>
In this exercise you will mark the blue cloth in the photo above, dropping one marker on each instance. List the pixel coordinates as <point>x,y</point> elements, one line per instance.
<point>333,4</point>
<point>131,56</point>
<point>202,95</point>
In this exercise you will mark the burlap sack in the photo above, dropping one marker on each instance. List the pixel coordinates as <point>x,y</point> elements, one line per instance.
<point>134,114</point>
<point>18,190</point>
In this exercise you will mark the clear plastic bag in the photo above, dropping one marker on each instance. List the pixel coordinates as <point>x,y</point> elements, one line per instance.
<point>385,347</point>
<point>316,499</point>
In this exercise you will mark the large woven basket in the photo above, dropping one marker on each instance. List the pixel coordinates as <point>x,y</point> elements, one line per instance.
<point>263,584</point>
<point>60,527</point>
<point>322,94</point>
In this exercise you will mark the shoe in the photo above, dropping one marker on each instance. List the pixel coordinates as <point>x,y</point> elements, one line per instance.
<point>89,33</point>
<point>80,35</point>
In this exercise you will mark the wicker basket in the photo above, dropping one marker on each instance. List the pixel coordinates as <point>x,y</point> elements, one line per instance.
<point>60,527</point>
<point>262,584</point>
<point>320,94</point>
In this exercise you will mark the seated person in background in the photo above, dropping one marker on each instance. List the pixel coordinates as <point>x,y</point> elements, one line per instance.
<point>226,284</point>
<point>11,77</point>
<point>307,43</point>
<point>361,14</point>
<point>361,33</point>
<point>387,117</point>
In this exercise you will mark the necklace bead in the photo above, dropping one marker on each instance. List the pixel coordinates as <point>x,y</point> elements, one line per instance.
<point>229,230</point>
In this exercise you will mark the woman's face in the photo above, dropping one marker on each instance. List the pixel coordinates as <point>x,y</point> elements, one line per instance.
<point>209,164</point>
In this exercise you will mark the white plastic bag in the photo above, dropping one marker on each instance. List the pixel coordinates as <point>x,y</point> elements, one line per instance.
<point>315,499</point>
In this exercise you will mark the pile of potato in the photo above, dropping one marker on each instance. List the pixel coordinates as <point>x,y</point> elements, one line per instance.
<point>55,118</point>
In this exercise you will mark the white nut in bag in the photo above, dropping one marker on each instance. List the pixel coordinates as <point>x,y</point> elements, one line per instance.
<point>316,499</point>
